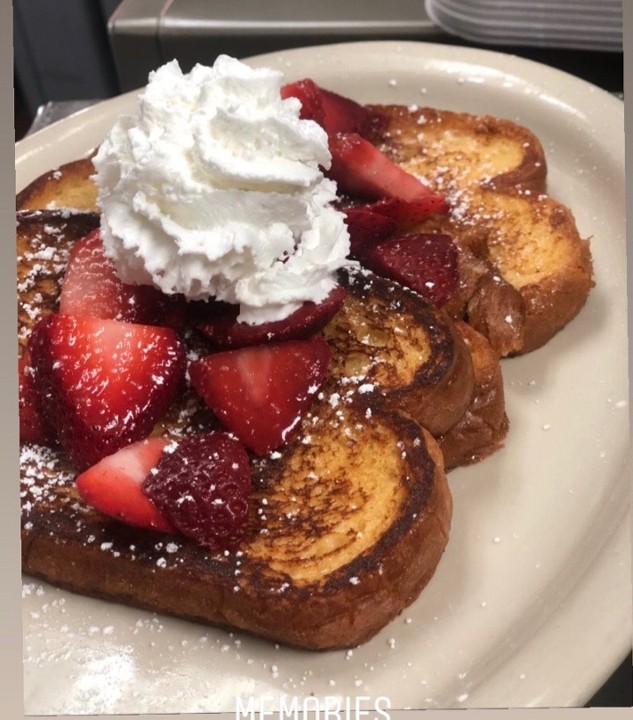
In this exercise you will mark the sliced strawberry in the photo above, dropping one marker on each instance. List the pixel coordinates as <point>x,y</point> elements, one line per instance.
<point>335,113</point>
<point>92,287</point>
<point>203,488</point>
<point>223,329</point>
<point>366,229</point>
<point>361,170</point>
<point>114,485</point>
<point>427,263</point>
<point>33,425</point>
<point>260,392</point>
<point>370,223</point>
<point>311,97</point>
<point>406,214</point>
<point>103,383</point>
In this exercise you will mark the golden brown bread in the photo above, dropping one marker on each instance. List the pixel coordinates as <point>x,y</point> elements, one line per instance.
<point>535,270</point>
<point>333,552</point>
<point>388,341</point>
<point>456,150</point>
<point>348,522</point>
<point>483,427</point>
<point>68,186</point>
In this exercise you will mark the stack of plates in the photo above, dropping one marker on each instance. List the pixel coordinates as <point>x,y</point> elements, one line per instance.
<point>578,24</point>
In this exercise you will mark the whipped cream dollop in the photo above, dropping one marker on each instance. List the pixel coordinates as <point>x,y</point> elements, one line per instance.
<point>213,189</point>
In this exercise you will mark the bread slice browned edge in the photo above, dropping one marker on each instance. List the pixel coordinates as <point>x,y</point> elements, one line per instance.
<point>457,394</point>
<point>484,426</point>
<point>68,186</point>
<point>439,388</point>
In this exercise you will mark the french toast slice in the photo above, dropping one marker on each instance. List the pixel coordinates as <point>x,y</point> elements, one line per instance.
<point>68,186</point>
<point>389,342</point>
<point>531,272</point>
<point>348,520</point>
<point>484,426</point>
<point>455,151</point>
<point>344,533</point>
<point>446,376</point>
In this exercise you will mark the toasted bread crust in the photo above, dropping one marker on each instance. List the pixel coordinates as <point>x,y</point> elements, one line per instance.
<point>547,261</point>
<point>430,376</point>
<point>494,173</point>
<point>69,186</point>
<point>461,150</point>
<point>484,426</point>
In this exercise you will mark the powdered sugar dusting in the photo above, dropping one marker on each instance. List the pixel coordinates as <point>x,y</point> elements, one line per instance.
<point>43,247</point>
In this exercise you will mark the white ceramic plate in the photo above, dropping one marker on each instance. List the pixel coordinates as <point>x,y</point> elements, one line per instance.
<point>531,604</point>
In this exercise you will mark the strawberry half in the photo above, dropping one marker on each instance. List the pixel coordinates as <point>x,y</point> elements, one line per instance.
<point>92,288</point>
<point>114,485</point>
<point>103,383</point>
<point>224,331</point>
<point>406,214</point>
<point>260,393</point>
<point>334,113</point>
<point>203,488</point>
<point>370,223</point>
<point>426,263</point>
<point>366,229</point>
<point>311,97</point>
<point>361,170</point>
<point>33,426</point>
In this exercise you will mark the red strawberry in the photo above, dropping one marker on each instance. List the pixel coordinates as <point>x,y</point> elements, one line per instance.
<point>407,214</point>
<point>260,392</point>
<point>335,113</point>
<point>224,331</point>
<point>427,263</point>
<point>310,95</point>
<point>361,170</point>
<point>92,287</point>
<point>366,229</point>
<point>203,488</point>
<point>114,485</point>
<point>103,383</point>
<point>33,426</point>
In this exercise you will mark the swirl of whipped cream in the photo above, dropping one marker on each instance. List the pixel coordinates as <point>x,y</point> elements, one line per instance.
<point>213,189</point>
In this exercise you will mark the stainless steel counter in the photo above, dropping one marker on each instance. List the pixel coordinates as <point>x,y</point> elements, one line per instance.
<point>147,33</point>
